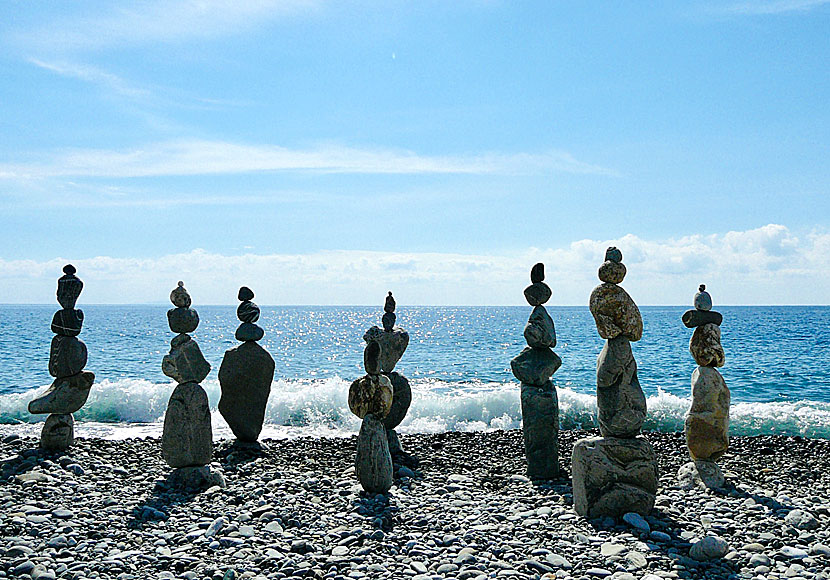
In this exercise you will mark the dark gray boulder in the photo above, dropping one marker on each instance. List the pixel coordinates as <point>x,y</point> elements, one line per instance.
<point>245,377</point>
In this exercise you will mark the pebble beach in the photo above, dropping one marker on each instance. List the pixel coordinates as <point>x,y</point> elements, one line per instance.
<point>461,507</point>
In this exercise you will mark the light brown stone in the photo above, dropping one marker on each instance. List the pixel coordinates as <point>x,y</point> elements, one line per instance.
<point>615,313</point>
<point>707,423</point>
<point>371,394</point>
<point>705,346</point>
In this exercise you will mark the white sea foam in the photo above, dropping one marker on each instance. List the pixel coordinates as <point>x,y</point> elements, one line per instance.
<point>133,408</point>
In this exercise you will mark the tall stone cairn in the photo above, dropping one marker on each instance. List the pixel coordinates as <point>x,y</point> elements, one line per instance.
<point>370,398</point>
<point>534,367</point>
<point>246,374</point>
<point>187,439</point>
<point>707,423</point>
<point>67,359</point>
<point>393,341</point>
<point>616,473</point>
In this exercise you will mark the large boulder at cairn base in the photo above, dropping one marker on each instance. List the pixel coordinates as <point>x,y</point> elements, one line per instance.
<point>705,346</point>
<point>67,356</point>
<point>65,395</point>
<point>539,330</point>
<point>371,394</point>
<point>540,430</point>
<point>615,313</point>
<point>612,476</point>
<point>401,399</point>
<point>58,432</point>
<point>535,366</point>
<point>187,438</point>
<point>620,399</point>
<point>245,377</point>
<point>707,424</point>
<point>373,462</point>
<point>185,363</point>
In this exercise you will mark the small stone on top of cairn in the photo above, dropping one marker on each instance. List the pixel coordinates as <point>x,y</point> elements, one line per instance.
<point>246,374</point>
<point>67,359</point>
<point>534,367</point>
<point>707,422</point>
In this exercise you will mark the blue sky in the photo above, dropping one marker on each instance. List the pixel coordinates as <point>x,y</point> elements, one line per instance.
<point>438,148</point>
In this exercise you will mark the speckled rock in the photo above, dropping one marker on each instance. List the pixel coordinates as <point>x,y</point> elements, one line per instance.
<point>185,363</point>
<point>401,399</point>
<point>535,366</point>
<point>705,346</point>
<point>620,399</point>
<point>187,438</point>
<point>707,423</point>
<point>373,462</point>
<point>371,394</point>
<point>615,313</point>
<point>65,395</point>
<point>245,378</point>
<point>539,331</point>
<point>613,476</point>
<point>58,432</point>
<point>540,430</point>
<point>179,296</point>
<point>612,272</point>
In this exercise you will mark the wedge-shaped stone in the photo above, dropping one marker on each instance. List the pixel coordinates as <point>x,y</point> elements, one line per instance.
<point>185,363</point>
<point>539,331</point>
<point>373,462</point>
<point>392,344</point>
<point>65,395</point>
<point>245,376</point>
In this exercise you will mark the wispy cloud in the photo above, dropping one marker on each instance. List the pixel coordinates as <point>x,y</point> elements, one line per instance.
<point>199,157</point>
<point>93,75</point>
<point>766,265</point>
<point>776,6</point>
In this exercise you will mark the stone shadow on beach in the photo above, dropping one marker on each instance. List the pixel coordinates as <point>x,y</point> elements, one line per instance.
<point>160,501</point>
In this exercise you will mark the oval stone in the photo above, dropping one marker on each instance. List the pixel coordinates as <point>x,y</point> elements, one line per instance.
<point>705,346</point>
<point>371,394</point>
<point>615,313</point>
<point>707,423</point>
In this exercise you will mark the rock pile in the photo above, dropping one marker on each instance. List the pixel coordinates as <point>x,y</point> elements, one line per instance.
<point>67,359</point>
<point>707,423</point>
<point>534,367</point>
<point>370,398</point>
<point>392,341</point>
<point>187,438</point>
<point>246,374</point>
<point>616,473</point>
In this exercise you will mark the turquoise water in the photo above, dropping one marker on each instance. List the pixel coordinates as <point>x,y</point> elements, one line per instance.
<point>458,360</point>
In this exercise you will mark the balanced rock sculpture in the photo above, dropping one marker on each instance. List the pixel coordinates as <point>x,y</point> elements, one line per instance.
<point>67,359</point>
<point>246,374</point>
<point>707,423</point>
<point>616,473</point>
<point>534,367</point>
<point>392,341</point>
<point>187,438</point>
<point>370,398</point>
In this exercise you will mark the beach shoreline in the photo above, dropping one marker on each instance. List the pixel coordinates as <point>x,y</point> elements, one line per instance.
<point>295,510</point>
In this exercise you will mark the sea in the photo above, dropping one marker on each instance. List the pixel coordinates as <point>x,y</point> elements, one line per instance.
<point>458,363</point>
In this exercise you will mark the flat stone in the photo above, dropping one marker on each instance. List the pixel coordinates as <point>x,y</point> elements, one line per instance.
<point>539,331</point>
<point>537,293</point>
<point>245,377</point>
<point>707,423</point>
<point>187,438</point>
<point>637,522</point>
<point>709,548</point>
<point>64,395</point>
<point>393,344</point>
<point>247,311</point>
<point>401,399</point>
<point>373,462</point>
<point>705,346</point>
<point>612,272</point>
<point>695,318</point>
<point>535,366</point>
<point>620,399</point>
<point>58,432</point>
<point>701,474</point>
<point>611,549</point>
<point>613,476</point>
<point>249,332</point>
<point>68,322</point>
<point>615,313</point>
<point>67,356</point>
<point>182,320</point>
<point>540,430</point>
<point>185,363</point>
<point>371,394</point>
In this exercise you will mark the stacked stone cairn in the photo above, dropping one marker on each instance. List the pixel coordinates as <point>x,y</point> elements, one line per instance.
<point>187,438</point>
<point>616,473</point>
<point>67,359</point>
<point>534,367</point>
<point>707,423</point>
<point>246,374</point>
<point>370,398</point>
<point>393,341</point>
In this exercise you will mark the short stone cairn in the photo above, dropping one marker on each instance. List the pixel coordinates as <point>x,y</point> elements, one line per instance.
<point>616,473</point>
<point>534,367</point>
<point>393,341</point>
<point>707,423</point>
<point>370,398</point>
<point>246,374</point>
<point>187,438</point>
<point>67,359</point>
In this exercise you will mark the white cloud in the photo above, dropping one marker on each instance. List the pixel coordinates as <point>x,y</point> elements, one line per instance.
<point>201,157</point>
<point>776,6</point>
<point>767,265</point>
<point>93,75</point>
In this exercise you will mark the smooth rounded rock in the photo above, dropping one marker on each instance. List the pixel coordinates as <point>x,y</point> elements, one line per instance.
<point>65,395</point>
<point>539,331</point>
<point>535,366</point>
<point>67,356</point>
<point>247,311</point>
<point>537,273</point>
<point>389,304</point>
<point>695,318</point>
<point>615,313</point>
<point>401,399</point>
<point>248,331</point>
<point>701,474</point>
<point>537,293</point>
<point>703,301</point>
<point>185,362</point>
<point>707,422</point>
<point>244,294</point>
<point>180,297</point>
<point>371,358</point>
<point>802,520</point>
<point>68,322</point>
<point>371,394</point>
<point>182,320</point>
<point>373,462</point>
<point>612,272</point>
<point>705,346</point>
<point>69,287</point>
<point>613,254</point>
<point>187,437</point>
<point>388,321</point>
<point>709,548</point>
<point>245,377</point>
<point>58,432</point>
